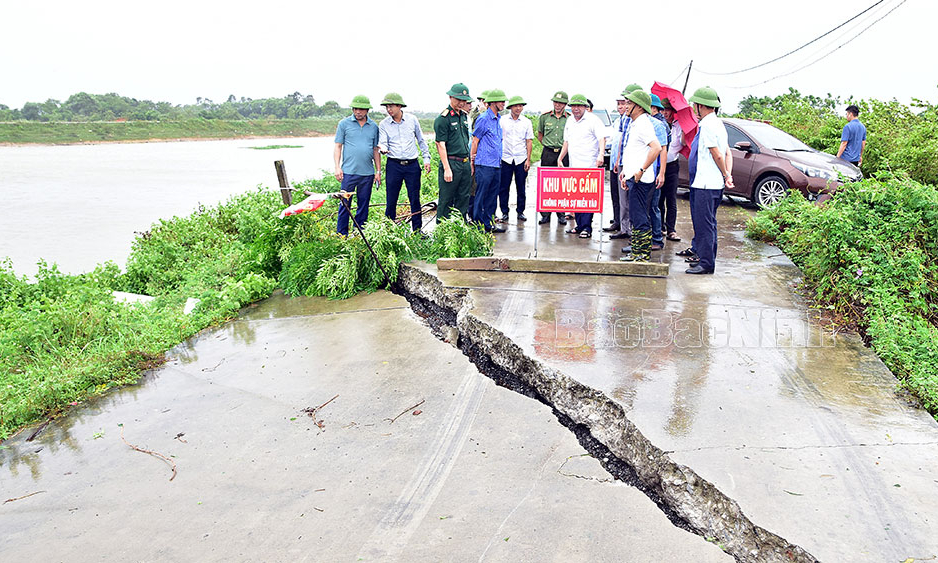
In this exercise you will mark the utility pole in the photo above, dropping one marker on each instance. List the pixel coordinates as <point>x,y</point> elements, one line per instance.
<point>690,66</point>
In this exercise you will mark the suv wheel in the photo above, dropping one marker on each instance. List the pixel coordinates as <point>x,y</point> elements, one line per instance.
<point>769,190</point>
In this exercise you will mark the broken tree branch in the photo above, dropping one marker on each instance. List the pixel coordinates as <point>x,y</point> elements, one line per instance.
<point>154,454</point>
<point>22,497</point>
<point>312,411</point>
<point>38,430</point>
<point>405,411</point>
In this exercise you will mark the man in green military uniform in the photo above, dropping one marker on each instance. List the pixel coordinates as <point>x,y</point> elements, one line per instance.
<point>550,134</point>
<point>478,110</point>
<point>452,142</point>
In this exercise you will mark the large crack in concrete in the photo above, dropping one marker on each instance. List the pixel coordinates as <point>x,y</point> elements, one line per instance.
<point>599,423</point>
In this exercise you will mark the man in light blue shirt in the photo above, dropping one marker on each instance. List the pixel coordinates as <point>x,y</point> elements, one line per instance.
<point>399,136</point>
<point>624,121</point>
<point>485,158</point>
<point>662,131</point>
<point>616,225</point>
<point>357,161</point>
<point>853,138</point>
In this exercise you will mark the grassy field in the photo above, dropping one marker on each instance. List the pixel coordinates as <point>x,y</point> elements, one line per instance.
<point>54,133</point>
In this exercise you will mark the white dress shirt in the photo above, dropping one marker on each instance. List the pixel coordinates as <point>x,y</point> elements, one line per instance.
<point>712,133</point>
<point>641,133</point>
<point>583,139</point>
<point>677,142</point>
<point>515,134</point>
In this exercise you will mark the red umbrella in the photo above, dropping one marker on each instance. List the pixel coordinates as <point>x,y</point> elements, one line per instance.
<point>682,113</point>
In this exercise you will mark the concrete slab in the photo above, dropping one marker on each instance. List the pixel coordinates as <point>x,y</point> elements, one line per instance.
<point>733,375</point>
<point>553,266</point>
<point>479,473</point>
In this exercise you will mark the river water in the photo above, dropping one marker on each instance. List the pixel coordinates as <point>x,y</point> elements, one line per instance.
<point>79,205</point>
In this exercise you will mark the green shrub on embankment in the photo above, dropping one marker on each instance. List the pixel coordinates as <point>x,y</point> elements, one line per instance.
<point>196,128</point>
<point>871,255</point>
<point>64,338</point>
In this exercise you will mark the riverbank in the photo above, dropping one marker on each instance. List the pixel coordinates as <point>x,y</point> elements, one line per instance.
<point>160,140</point>
<point>15,133</point>
<point>70,133</point>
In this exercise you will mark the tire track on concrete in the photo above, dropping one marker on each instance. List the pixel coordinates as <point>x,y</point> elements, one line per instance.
<point>390,537</point>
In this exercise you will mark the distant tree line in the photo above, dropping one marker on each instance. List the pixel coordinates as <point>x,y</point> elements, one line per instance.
<point>109,107</point>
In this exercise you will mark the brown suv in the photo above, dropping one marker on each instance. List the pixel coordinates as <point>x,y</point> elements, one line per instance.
<point>767,162</point>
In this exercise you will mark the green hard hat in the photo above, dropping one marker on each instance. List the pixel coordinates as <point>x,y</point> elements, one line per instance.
<point>460,92</point>
<point>579,100</point>
<point>631,88</point>
<point>516,101</point>
<point>495,95</point>
<point>361,102</point>
<point>393,98</point>
<point>640,97</point>
<point>561,97</point>
<point>705,96</point>
<point>481,97</point>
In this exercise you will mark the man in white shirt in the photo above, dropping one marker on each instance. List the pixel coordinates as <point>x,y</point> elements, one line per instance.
<point>710,170</point>
<point>584,141</point>
<point>399,137</point>
<point>517,142</point>
<point>639,152</point>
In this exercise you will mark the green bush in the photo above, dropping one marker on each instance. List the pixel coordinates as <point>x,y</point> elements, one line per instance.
<point>64,338</point>
<point>871,254</point>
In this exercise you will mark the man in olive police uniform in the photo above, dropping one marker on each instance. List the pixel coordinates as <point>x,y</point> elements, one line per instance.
<point>550,134</point>
<point>452,142</point>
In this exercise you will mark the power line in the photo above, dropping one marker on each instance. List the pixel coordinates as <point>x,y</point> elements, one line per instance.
<point>678,75</point>
<point>795,50</point>
<point>822,57</point>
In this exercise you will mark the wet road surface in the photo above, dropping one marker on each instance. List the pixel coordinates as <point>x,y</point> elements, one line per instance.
<point>479,473</point>
<point>730,372</point>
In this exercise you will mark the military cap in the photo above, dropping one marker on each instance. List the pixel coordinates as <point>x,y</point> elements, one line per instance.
<point>460,92</point>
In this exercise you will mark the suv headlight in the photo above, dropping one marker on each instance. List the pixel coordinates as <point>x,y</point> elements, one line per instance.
<point>812,172</point>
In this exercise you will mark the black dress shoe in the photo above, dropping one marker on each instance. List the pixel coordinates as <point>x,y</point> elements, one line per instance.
<point>619,235</point>
<point>697,270</point>
<point>543,220</point>
<point>611,229</point>
<point>497,230</point>
<point>561,220</point>
<point>521,217</point>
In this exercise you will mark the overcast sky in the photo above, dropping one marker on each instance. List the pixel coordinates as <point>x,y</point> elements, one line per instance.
<point>178,50</point>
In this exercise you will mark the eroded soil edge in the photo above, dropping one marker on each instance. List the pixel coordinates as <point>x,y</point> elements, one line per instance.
<point>599,423</point>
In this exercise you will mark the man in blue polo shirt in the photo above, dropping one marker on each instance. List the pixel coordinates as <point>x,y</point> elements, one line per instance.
<point>485,158</point>
<point>853,138</point>
<point>357,160</point>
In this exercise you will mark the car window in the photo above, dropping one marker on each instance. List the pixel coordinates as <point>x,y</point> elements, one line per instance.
<point>734,136</point>
<point>603,116</point>
<point>773,138</point>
